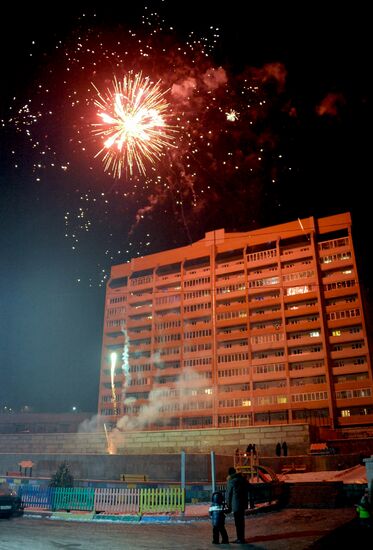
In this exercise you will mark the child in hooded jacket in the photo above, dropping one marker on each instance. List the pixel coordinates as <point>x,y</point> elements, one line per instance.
<point>217,513</point>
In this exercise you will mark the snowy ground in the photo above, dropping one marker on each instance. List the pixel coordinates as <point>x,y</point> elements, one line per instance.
<point>356,474</point>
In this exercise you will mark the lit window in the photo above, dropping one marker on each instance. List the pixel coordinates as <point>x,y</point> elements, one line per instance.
<point>336,333</point>
<point>246,403</point>
<point>346,412</point>
<point>282,399</point>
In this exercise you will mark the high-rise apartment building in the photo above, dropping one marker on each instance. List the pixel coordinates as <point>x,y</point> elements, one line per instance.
<point>239,329</point>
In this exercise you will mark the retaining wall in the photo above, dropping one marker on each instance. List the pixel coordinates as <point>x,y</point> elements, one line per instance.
<point>166,467</point>
<point>220,440</point>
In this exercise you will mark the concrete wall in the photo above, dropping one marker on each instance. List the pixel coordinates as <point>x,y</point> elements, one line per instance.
<point>136,452</point>
<point>164,468</point>
<point>53,443</point>
<point>222,441</point>
<point>324,494</point>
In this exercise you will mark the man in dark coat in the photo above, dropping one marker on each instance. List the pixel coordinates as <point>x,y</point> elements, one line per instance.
<point>237,501</point>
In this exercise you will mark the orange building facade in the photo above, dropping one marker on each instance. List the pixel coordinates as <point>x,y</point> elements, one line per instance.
<point>239,329</point>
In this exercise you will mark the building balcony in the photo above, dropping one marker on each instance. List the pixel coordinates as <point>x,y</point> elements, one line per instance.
<point>266,295</point>
<point>266,341</point>
<point>348,352</point>
<point>297,252</point>
<point>163,280</point>
<point>197,300</point>
<point>139,348</point>
<point>270,389</point>
<point>224,295</point>
<point>135,309</point>
<point>306,372</point>
<point>351,402</point>
<point>305,356</point>
<point>163,367</point>
<point>356,419</point>
<point>293,326</point>
<point>300,310</point>
<point>266,272</point>
<point>236,379</point>
<point>138,325</point>
<point>228,334</point>
<point>307,387</point>
<point>171,314</point>
<point>132,298</point>
<point>140,283</point>
<point>139,360</point>
<point>304,341</point>
<point>230,279</point>
<point>350,369</point>
<point>339,291</point>
<point>226,267</point>
<point>191,324</point>
<point>265,315</point>
<point>113,337</point>
<point>137,387</point>
<point>265,374</point>
<point>272,407</point>
<point>270,358</point>
<point>262,257</point>
<point>346,322</point>
<point>231,348</point>
<point>137,332</point>
<point>335,264</point>
<point>346,337</point>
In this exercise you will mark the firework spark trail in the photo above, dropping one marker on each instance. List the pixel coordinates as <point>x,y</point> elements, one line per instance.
<point>113,360</point>
<point>134,124</point>
<point>125,362</point>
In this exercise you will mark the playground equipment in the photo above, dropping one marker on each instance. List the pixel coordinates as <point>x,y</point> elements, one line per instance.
<point>247,462</point>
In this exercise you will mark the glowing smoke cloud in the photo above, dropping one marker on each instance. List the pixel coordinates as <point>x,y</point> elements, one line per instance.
<point>133,124</point>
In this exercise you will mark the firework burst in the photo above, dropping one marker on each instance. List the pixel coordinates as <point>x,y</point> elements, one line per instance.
<point>133,127</point>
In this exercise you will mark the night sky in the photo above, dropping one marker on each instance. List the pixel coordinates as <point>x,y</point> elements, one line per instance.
<point>295,78</point>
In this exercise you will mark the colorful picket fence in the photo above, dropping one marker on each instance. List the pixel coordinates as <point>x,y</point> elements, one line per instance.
<point>115,501</point>
<point>162,500</point>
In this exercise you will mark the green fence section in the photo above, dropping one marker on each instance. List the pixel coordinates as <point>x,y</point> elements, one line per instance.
<point>73,498</point>
<point>162,500</point>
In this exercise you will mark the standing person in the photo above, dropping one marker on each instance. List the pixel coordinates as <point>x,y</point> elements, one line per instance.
<point>285,448</point>
<point>217,513</point>
<point>237,501</point>
<point>363,510</point>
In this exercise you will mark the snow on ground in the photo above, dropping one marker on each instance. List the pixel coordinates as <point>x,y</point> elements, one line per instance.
<point>356,474</point>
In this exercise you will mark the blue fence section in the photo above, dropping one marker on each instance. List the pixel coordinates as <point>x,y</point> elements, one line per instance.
<point>36,497</point>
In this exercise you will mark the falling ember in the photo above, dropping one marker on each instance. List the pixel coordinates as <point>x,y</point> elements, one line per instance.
<point>133,125</point>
